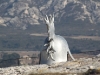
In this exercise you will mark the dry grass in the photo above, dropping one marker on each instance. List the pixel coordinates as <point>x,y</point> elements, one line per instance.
<point>89,72</point>
<point>50,74</point>
<point>56,74</point>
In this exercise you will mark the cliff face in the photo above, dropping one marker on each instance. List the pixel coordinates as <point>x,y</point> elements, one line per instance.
<point>21,13</point>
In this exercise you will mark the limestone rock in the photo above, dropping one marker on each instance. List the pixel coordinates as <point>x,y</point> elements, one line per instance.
<point>98,55</point>
<point>1,20</point>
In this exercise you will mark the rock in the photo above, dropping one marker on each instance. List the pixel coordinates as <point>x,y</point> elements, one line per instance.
<point>98,55</point>
<point>91,67</point>
<point>1,20</point>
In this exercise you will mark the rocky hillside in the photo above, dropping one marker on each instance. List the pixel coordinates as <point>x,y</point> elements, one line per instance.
<point>22,13</point>
<point>72,18</point>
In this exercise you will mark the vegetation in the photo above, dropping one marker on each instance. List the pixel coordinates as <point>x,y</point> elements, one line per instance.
<point>16,39</point>
<point>89,72</point>
<point>19,42</point>
<point>78,45</point>
<point>9,59</point>
<point>56,74</point>
<point>97,0</point>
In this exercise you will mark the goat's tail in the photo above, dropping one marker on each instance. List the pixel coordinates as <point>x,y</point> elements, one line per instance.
<point>71,55</point>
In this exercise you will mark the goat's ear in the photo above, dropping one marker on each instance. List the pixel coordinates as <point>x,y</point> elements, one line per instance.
<point>51,18</point>
<point>46,19</point>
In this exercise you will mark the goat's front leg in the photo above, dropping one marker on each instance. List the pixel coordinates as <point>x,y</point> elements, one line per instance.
<point>48,48</point>
<point>50,54</point>
<point>46,44</point>
<point>49,44</point>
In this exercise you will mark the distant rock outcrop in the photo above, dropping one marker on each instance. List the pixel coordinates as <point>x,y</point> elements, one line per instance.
<point>20,14</point>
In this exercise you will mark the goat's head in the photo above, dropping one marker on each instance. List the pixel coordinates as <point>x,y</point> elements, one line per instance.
<point>49,20</point>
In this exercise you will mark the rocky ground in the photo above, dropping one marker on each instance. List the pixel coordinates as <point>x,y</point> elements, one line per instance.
<point>81,65</point>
